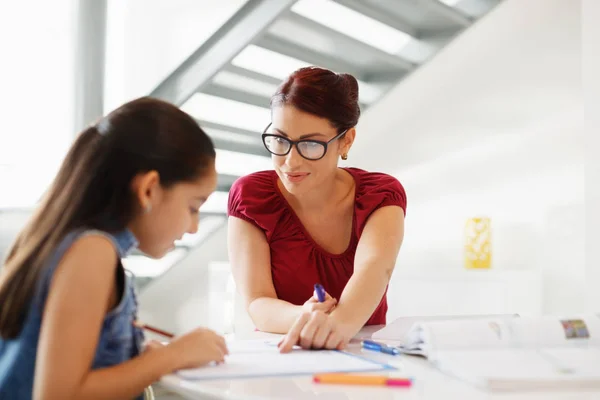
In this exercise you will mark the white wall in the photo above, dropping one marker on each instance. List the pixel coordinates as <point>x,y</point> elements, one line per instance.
<point>11,223</point>
<point>591,80</point>
<point>493,125</point>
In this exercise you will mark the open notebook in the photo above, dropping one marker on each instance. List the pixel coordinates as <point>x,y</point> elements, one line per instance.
<point>395,332</point>
<point>261,358</point>
<point>513,353</point>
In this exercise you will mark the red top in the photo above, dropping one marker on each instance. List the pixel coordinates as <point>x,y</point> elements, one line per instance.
<point>297,261</point>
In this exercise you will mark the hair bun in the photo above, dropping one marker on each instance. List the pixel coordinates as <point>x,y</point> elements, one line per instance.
<point>352,84</point>
<point>323,93</point>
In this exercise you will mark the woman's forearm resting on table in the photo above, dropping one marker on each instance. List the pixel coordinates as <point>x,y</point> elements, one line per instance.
<point>273,315</point>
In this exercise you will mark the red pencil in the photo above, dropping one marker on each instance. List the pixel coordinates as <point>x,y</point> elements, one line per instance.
<point>153,329</point>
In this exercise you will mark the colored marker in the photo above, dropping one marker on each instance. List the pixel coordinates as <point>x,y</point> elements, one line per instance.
<point>320,292</point>
<point>381,347</point>
<point>353,379</point>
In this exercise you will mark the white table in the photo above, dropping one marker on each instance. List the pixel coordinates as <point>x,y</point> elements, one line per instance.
<point>429,384</point>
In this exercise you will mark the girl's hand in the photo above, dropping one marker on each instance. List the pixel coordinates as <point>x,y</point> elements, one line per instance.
<point>316,330</point>
<point>152,345</point>
<point>313,304</point>
<point>197,348</point>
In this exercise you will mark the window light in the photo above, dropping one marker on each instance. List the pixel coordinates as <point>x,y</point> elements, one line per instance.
<point>240,82</point>
<point>239,164</point>
<point>450,3</point>
<point>227,112</point>
<point>207,225</point>
<point>353,24</point>
<point>232,136</point>
<point>142,266</point>
<point>258,59</point>
<point>217,203</point>
<point>14,193</point>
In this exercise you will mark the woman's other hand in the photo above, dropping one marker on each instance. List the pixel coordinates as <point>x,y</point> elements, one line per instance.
<point>315,330</point>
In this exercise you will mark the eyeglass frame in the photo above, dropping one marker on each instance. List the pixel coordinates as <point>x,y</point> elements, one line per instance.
<point>295,143</point>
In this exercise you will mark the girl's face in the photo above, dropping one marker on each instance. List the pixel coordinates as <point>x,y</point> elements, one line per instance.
<point>168,213</point>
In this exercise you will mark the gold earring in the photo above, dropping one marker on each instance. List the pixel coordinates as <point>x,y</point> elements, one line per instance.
<point>344,156</point>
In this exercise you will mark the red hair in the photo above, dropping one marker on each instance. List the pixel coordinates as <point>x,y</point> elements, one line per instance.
<point>323,93</point>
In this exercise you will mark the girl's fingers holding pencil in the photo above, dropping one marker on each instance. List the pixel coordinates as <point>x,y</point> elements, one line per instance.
<point>223,345</point>
<point>198,347</point>
<point>152,345</point>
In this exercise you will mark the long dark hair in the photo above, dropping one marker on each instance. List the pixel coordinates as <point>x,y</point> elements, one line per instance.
<point>92,189</point>
<point>323,93</point>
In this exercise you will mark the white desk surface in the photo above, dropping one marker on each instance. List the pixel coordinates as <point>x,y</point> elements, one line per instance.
<point>428,384</point>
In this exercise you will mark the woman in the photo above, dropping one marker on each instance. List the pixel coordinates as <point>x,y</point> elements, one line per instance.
<point>309,222</point>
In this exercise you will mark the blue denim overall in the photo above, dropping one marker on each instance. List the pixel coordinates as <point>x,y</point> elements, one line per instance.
<point>119,339</point>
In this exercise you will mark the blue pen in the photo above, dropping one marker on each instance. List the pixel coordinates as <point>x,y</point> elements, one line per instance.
<point>320,292</point>
<point>381,347</point>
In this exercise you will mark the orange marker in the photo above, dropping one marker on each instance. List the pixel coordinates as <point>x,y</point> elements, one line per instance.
<point>352,379</point>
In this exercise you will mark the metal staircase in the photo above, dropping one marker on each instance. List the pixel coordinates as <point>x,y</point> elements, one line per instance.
<point>227,82</point>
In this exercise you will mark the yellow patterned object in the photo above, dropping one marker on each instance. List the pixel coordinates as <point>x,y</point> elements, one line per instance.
<point>478,245</point>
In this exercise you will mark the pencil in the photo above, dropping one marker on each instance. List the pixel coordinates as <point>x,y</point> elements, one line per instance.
<point>154,329</point>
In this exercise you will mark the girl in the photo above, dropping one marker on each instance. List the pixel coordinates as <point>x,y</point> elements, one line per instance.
<point>136,178</point>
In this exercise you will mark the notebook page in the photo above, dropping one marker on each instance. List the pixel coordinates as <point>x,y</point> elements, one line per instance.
<point>269,362</point>
<point>398,329</point>
<point>253,346</point>
<point>466,334</point>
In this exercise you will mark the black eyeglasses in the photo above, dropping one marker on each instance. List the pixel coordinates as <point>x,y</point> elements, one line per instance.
<point>310,149</point>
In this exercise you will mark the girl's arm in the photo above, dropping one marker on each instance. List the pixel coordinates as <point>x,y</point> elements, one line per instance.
<point>81,293</point>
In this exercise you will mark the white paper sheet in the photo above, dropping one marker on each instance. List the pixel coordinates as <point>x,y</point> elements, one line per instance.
<point>260,358</point>
<point>399,328</point>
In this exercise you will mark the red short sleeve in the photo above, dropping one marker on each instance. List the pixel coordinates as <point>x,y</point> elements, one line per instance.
<point>376,190</point>
<point>389,190</point>
<point>254,199</point>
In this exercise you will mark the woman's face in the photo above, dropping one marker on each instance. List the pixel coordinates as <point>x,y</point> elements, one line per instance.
<point>297,173</point>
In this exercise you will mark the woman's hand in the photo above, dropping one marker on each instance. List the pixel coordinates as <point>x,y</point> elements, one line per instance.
<point>313,304</point>
<point>315,330</point>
